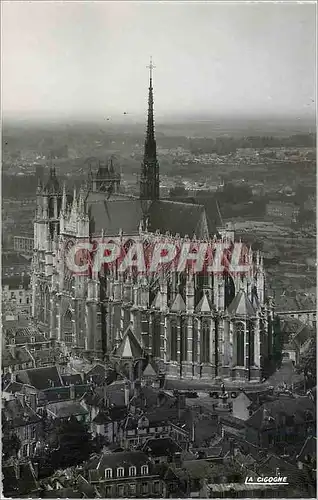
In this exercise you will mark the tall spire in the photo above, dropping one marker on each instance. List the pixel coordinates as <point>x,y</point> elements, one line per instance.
<point>149,184</point>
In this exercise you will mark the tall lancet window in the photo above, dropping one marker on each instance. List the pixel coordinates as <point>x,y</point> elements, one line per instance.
<point>156,335</point>
<point>205,342</point>
<point>251,340</point>
<point>173,340</point>
<point>183,340</point>
<point>47,305</point>
<point>68,327</point>
<point>195,339</point>
<point>239,338</point>
<point>229,290</point>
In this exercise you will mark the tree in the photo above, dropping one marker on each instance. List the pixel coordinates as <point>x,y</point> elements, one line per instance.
<point>307,364</point>
<point>69,443</point>
<point>10,445</point>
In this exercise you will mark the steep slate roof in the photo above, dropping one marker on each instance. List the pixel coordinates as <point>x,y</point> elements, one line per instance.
<point>113,460</point>
<point>75,379</point>
<point>114,215</point>
<point>129,346</point>
<point>178,304</point>
<point>178,218</point>
<point>97,373</point>
<point>41,378</point>
<point>241,305</point>
<point>204,306</point>
<point>285,406</point>
<point>19,485</point>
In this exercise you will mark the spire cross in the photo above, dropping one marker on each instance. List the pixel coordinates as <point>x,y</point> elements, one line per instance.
<point>151,67</point>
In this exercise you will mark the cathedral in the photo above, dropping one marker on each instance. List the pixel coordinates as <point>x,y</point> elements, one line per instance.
<point>176,325</point>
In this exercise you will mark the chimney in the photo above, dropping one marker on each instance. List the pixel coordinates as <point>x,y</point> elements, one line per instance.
<point>72,391</point>
<point>33,401</point>
<point>178,460</point>
<point>12,375</point>
<point>192,431</point>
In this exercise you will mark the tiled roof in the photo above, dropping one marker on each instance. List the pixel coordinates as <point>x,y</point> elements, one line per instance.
<point>178,218</point>
<point>241,305</point>
<point>14,414</point>
<point>75,379</point>
<point>41,378</point>
<point>268,414</point>
<point>21,356</point>
<point>121,459</point>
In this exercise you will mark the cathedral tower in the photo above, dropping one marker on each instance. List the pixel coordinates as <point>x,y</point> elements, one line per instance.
<point>149,183</point>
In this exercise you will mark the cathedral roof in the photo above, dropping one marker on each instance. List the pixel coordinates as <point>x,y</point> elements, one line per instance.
<point>114,215</point>
<point>178,304</point>
<point>129,346</point>
<point>204,306</point>
<point>176,217</point>
<point>241,305</point>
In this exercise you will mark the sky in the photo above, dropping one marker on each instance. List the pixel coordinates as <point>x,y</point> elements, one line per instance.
<point>73,59</point>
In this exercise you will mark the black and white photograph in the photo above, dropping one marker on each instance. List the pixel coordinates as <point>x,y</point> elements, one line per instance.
<point>158,249</point>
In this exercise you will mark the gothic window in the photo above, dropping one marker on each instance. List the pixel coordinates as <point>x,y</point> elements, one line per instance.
<point>229,290</point>
<point>195,339</point>
<point>51,208</point>
<point>239,335</point>
<point>173,340</point>
<point>126,318</point>
<point>169,292</point>
<point>181,284</point>
<point>156,335</point>
<point>205,343</point>
<point>153,294</point>
<point>68,327</point>
<point>251,335</point>
<point>46,305</point>
<point>183,340</point>
<point>199,288</point>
